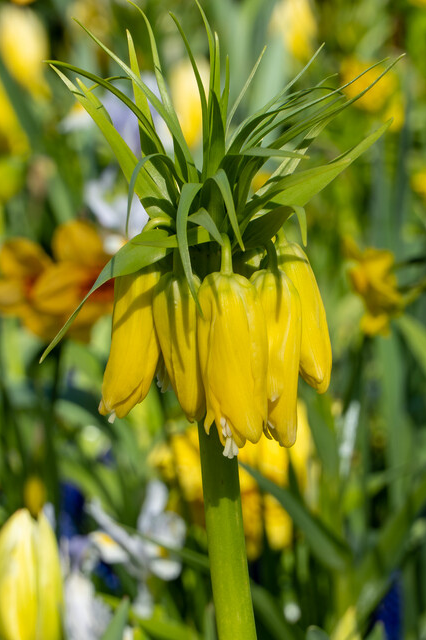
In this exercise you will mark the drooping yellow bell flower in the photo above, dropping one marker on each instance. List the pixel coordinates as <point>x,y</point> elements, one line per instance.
<point>135,349</point>
<point>281,306</point>
<point>233,351</point>
<point>175,319</point>
<point>30,580</point>
<point>315,351</point>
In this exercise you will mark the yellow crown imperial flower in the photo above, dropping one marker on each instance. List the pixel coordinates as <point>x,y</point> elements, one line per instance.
<point>30,579</point>
<point>175,318</point>
<point>315,351</point>
<point>135,349</point>
<point>281,306</point>
<point>233,351</point>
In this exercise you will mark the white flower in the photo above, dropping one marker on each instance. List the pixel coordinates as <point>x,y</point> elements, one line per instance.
<point>86,616</point>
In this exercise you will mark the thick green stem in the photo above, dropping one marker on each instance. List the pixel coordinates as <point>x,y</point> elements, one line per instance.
<point>225,538</point>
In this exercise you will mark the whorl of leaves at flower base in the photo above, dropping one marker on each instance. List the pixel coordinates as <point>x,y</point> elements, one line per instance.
<point>220,337</point>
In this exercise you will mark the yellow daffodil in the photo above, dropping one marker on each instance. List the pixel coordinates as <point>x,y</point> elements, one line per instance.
<point>315,351</point>
<point>281,306</point>
<point>135,349</point>
<point>373,279</point>
<point>175,318</point>
<point>24,46</point>
<point>233,351</point>
<point>30,580</point>
<point>294,20</point>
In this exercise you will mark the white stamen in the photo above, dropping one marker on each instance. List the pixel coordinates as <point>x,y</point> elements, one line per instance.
<point>230,450</point>
<point>112,416</point>
<point>271,426</point>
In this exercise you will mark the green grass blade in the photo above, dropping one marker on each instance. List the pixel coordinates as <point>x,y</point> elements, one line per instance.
<point>116,627</point>
<point>189,191</point>
<point>204,219</point>
<point>244,90</point>
<point>221,179</point>
<point>330,551</point>
<point>140,98</point>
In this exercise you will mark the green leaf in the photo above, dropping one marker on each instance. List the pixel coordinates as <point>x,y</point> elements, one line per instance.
<point>221,179</point>
<point>145,187</point>
<point>301,218</point>
<point>244,89</point>
<point>204,219</point>
<point>414,334</point>
<point>171,121</point>
<point>329,550</point>
<point>266,152</point>
<point>140,98</point>
<point>270,614</point>
<point>262,229</point>
<point>315,633</point>
<point>189,191</point>
<point>216,147</point>
<point>134,255</point>
<point>299,188</point>
<point>117,625</point>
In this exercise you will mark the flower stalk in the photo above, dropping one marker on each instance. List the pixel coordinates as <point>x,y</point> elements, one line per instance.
<point>225,539</point>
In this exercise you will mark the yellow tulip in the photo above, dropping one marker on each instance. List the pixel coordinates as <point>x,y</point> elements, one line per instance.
<point>233,351</point>
<point>30,580</point>
<point>175,319</point>
<point>281,306</point>
<point>315,351</point>
<point>135,349</point>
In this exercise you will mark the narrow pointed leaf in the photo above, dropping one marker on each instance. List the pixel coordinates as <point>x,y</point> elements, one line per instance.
<point>223,183</point>
<point>189,191</point>
<point>116,627</point>
<point>204,219</point>
<point>244,89</point>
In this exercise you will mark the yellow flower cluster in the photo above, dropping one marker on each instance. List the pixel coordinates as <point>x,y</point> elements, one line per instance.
<point>372,277</point>
<point>179,462</point>
<point>235,359</point>
<point>43,292</point>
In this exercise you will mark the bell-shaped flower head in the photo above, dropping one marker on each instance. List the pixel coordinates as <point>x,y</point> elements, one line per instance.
<point>281,306</point>
<point>135,349</point>
<point>315,351</point>
<point>233,351</point>
<point>175,318</point>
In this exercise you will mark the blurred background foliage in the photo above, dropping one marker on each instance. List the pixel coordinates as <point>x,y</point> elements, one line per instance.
<point>335,527</point>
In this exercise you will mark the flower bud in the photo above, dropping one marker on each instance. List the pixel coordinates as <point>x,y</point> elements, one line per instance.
<point>30,580</point>
<point>281,306</point>
<point>135,349</point>
<point>315,351</point>
<point>175,318</point>
<point>233,352</point>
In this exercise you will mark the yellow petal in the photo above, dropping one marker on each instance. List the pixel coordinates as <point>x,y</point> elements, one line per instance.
<point>49,582</point>
<point>18,578</point>
<point>233,353</point>
<point>22,258</point>
<point>281,306</point>
<point>78,242</point>
<point>134,345</point>
<point>315,352</point>
<point>175,318</point>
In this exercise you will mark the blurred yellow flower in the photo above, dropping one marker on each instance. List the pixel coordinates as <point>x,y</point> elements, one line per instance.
<point>43,293</point>
<point>135,349</point>
<point>295,21</point>
<point>418,182</point>
<point>186,98</point>
<point>12,137</point>
<point>233,352</point>
<point>385,96</point>
<point>23,46</point>
<point>34,495</point>
<point>180,460</point>
<point>30,580</point>
<point>373,279</point>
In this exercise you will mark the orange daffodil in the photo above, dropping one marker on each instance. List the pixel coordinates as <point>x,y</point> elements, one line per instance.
<point>43,291</point>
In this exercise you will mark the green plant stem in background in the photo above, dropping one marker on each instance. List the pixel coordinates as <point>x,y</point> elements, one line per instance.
<point>225,539</point>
